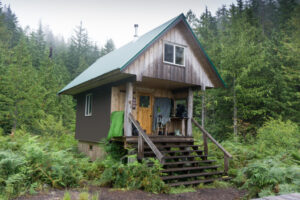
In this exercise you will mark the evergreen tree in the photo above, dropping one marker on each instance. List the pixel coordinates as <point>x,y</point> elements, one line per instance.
<point>108,47</point>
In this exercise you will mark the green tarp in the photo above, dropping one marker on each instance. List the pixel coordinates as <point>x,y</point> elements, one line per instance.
<point>116,124</point>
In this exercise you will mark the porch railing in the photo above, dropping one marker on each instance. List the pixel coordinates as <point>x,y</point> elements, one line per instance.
<point>144,137</point>
<point>227,155</point>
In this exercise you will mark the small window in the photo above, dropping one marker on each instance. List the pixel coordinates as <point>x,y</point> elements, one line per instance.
<point>174,54</point>
<point>169,53</point>
<point>88,105</point>
<point>144,101</point>
<point>179,55</point>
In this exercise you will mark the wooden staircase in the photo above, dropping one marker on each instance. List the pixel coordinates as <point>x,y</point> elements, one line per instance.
<point>184,163</point>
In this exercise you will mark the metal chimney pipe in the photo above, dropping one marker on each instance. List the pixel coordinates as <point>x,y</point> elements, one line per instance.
<point>136,26</point>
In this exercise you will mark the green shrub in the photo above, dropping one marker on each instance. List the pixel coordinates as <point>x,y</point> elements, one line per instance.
<point>267,164</point>
<point>271,176</point>
<point>277,136</point>
<point>28,163</point>
<point>134,176</point>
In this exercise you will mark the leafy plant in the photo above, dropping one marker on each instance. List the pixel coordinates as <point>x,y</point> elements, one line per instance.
<point>134,176</point>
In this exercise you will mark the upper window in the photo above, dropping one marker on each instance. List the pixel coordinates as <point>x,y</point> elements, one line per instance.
<point>174,54</point>
<point>88,104</point>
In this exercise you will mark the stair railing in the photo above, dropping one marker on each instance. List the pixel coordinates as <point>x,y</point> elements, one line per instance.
<point>144,137</point>
<point>227,155</point>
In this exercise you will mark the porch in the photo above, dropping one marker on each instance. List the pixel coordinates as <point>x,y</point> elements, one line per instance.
<point>158,123</point>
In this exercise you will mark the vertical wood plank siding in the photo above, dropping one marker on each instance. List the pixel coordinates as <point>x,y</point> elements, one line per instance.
<point>150,64</point>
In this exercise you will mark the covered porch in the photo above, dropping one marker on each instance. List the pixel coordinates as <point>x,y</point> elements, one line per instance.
<point>161,107</point>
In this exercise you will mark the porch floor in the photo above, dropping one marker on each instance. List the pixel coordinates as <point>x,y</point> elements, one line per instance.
<point>155,138</point>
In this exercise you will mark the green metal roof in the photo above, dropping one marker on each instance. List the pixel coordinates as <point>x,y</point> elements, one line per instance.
<point>122,57</point>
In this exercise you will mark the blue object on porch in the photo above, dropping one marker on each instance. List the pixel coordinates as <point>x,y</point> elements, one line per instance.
<point>162,110</point>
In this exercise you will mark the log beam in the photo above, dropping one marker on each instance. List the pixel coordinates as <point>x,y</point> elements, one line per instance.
<point>190,112</point>
<point>203,120</point>
<point>128,108</point>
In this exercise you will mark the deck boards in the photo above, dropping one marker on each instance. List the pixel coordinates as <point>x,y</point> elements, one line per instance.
<point>293,196</point>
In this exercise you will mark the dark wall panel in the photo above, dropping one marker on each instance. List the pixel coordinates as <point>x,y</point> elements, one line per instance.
<point>93,128</point>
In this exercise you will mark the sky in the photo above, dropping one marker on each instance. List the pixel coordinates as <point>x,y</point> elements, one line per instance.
<point>105,19</point>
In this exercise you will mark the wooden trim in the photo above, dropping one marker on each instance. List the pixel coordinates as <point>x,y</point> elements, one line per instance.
<point>144,137</point>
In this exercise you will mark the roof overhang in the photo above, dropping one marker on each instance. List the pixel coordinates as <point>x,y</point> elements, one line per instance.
<point>110,77</point>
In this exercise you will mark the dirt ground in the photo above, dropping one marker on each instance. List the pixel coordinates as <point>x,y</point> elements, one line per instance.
<point>112,194</point>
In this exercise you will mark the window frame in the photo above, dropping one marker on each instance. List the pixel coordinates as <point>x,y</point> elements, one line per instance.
<point>174,54</point>
<point>88,104</point>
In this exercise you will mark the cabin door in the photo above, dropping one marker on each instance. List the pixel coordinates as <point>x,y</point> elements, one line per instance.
<point>144,111</point>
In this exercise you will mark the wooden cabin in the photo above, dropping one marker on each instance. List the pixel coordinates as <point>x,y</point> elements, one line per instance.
<point>152,79</point>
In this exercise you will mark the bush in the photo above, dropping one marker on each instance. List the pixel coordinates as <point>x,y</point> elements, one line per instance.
<point>29,163</point>
<point>269,164</point>
<point>271,176</point>
<point>133,176</point>
<point>278,136</point>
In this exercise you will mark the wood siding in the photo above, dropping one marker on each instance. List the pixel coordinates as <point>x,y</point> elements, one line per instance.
<point>195,72</point>
<point>93,128</point>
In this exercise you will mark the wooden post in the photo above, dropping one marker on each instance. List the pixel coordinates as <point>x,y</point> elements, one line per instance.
<point>140,147</point>
<point>203,120</point>
<point>128,108</point>
<point>226,163</point>
<point>190,112</point>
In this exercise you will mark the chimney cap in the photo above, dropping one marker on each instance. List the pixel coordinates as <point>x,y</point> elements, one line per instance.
<point>136,25</point>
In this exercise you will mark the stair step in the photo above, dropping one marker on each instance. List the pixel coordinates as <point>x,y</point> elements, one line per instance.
<point>174,146</point>
<point>190,175</point>
<point>189,162</point>
<point>185,156</point>
<point>198,181</point>
<point>189,168</point>
<point>182,151</point>
<point>174,151</point>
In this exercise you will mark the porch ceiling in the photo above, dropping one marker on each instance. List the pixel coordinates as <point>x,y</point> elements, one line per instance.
<point>162,84</point>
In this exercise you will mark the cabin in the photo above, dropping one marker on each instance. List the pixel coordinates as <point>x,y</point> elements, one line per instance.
<point>142,95</point>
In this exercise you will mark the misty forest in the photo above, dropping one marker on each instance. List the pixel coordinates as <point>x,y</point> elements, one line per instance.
<point>255,45</point>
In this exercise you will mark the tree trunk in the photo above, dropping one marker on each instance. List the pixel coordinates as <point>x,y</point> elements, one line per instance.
<point>235,131</point>
<point>15,121</point>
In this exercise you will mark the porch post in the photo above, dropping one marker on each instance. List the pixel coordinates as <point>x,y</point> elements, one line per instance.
<point>128,108</point>
<point>203,120</point>
<point>190,112</point>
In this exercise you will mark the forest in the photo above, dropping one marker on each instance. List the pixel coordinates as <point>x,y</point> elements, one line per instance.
<point>255,45</point>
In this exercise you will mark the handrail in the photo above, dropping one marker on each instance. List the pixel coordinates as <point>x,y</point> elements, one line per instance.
<point>226,153</point>
<point>144,136</point>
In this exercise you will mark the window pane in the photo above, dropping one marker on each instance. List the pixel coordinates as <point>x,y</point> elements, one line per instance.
<point>169,53</point>
<point>179,55</point>
<point>144,101</point>
<point>86,104</point>
<point>90,103</point>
